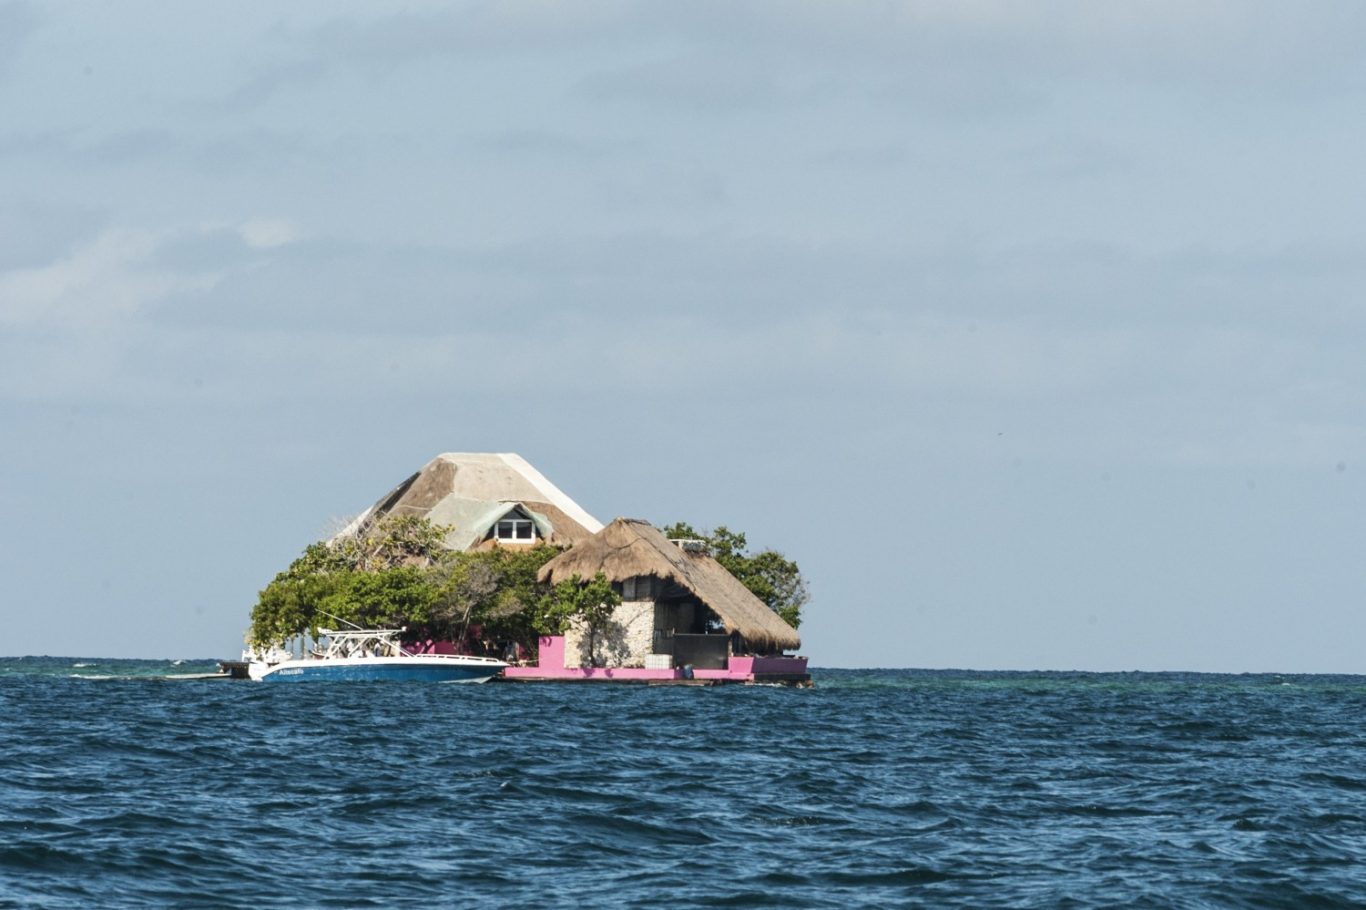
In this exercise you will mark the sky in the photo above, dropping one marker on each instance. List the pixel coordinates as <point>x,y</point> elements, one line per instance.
<point>1032,331</point>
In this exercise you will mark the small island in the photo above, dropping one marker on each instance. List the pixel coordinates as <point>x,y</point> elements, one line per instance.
<point>479,554</point>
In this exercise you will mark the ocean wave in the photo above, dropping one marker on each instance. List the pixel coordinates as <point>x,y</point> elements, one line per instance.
<point>894,789</point>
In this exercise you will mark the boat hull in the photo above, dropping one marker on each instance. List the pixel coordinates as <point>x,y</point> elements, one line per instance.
<point>382,669</point>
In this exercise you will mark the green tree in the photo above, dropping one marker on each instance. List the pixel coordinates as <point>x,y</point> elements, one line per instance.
<point>593,602</point>
<point>379,577</point>
<point>466,588</point>
<point>770,576</point>
<point>400,574</point>
<point>511,614</point>
<point>395,540</point>
<point>397,597</point>
<point>289,605</point>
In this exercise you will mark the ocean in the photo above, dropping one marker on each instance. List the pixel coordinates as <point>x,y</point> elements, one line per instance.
<point>877,788</point>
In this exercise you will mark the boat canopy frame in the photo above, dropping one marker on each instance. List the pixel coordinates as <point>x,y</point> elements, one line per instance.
<point>362,643</point>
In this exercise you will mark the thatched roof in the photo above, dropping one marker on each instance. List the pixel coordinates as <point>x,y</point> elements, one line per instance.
<point>629,547</point>
<point>470,491</point>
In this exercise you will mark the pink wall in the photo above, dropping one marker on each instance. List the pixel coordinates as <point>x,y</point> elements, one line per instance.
<point>620,674</point>
<point>429,647</point>
<point>551,652</point>
<point>740,669</point>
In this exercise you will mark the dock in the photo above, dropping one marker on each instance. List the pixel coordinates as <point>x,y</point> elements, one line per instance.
<point>235,669</point>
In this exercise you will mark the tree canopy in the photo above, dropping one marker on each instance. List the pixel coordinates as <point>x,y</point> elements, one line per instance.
<point>591,601</point>
<point>400,574</point>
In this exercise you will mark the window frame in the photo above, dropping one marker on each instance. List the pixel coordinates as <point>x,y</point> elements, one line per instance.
<point>514,525</point>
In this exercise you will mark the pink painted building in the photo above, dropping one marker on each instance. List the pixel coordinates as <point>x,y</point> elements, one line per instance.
<point>786,670</point>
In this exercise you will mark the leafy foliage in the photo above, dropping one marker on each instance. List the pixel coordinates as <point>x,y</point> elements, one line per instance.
<point>290,603</point>
<point>770,576</point>
<point>400,574</point>
<point>591,601</point>
<point>388,598</point>
<point>498,591</point>
<point>404,540</point>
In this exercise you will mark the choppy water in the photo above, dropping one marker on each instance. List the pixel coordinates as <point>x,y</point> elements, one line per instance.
<point>876,789</point>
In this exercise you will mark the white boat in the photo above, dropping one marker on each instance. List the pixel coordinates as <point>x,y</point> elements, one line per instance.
<point>369,655</point>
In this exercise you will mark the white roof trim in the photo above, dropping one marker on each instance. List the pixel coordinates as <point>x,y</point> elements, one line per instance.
<point>552,492</point>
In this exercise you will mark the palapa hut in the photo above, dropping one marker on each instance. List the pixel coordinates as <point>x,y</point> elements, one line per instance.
<point>679,605</point>
<point>487,499</point>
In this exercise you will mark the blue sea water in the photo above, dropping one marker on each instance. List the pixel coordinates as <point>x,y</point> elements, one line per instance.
<point>879,788</point>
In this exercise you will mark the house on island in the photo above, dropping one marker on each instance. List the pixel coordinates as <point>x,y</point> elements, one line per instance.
<point>487,499</point>
<point>682,614</point>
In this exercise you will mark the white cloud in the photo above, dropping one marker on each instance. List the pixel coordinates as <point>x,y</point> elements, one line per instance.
<point>717,57</point>
<point>267,233</point>
<point>102,282</point>
<point>76,325</point>
<point>121,273</point>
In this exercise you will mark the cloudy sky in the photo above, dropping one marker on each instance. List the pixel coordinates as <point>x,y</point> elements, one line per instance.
<point>1034,332</point>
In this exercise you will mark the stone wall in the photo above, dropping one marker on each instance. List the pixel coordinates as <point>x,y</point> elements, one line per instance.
<point>624,643</point>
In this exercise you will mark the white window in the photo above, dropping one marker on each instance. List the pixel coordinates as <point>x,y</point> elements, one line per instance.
<point>515,530</point>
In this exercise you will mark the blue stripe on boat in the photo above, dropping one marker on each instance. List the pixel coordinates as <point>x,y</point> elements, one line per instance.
<point>324,672</point>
